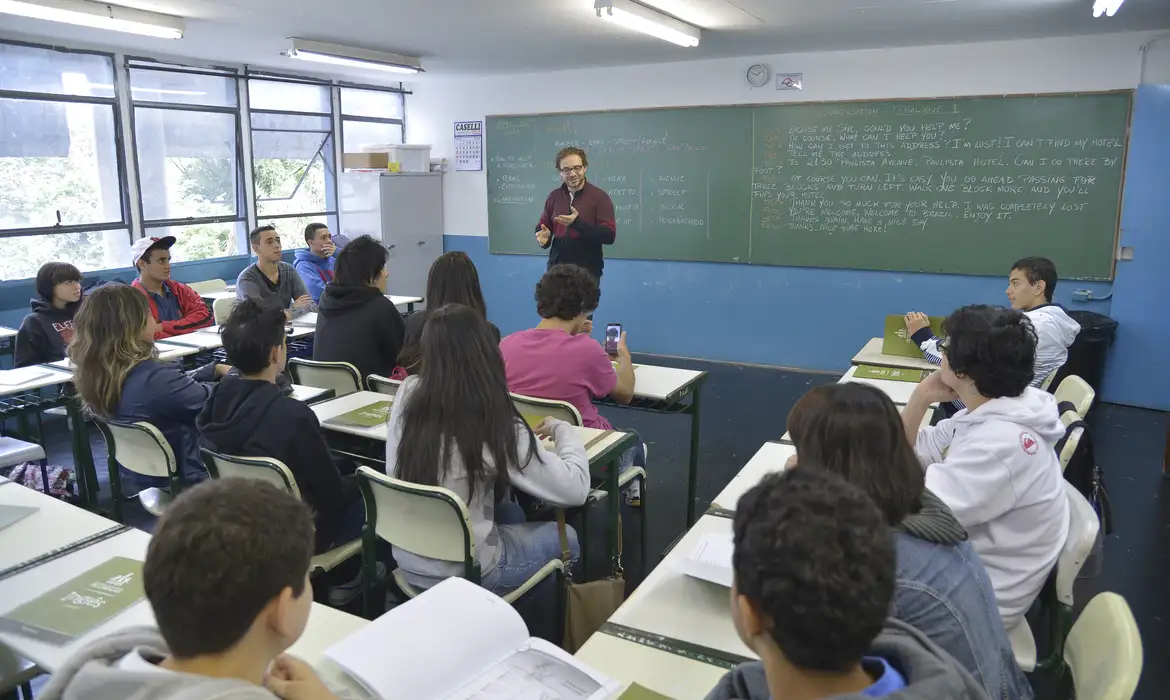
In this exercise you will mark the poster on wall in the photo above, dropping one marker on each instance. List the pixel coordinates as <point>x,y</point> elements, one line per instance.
<point>469,145</point>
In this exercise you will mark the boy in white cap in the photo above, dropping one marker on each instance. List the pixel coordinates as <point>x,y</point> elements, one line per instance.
<point>177,307</point>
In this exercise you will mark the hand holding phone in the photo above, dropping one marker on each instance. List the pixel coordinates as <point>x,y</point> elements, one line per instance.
<point>613,333</point>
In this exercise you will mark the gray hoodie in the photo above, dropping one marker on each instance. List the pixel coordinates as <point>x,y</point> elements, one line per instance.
<point>930,674</point>
<point>93,673</point>
<point>1055,331</point>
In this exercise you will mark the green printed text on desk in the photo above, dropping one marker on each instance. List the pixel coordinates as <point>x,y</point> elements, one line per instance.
<point>896,339</point>
<point>77,606</point>
<point>365,417</point>
<point>960,185</point>
<point>893,374</point>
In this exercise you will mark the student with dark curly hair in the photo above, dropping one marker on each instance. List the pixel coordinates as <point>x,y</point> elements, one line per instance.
<point>942,590</point>
<point>993,463</point>
<point>815,571</point>
<point>558,360</point>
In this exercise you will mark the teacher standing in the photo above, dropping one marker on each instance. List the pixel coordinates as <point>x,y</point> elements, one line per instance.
<point>578,217</point>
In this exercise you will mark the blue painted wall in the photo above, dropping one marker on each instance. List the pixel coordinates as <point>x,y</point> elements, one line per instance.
<point>1136,373</point>
<point>812,318</point>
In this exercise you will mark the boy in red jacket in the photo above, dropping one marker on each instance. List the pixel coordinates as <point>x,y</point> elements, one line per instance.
<point>176,306</point>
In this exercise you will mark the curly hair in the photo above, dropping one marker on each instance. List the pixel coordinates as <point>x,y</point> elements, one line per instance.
<point>566,292</point>
<point>572,151</point>
<point>994,346</point>
<point>815,557</point>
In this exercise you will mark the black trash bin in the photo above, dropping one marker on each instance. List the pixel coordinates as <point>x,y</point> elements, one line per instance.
<point>1086,356</point>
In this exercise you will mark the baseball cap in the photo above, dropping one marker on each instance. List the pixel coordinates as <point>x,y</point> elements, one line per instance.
<point>140,246</point>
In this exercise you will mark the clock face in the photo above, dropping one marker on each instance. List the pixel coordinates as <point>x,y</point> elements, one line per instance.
<point>757,75</point>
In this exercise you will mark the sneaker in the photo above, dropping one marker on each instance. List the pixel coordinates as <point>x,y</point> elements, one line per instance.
<point>344,594</point>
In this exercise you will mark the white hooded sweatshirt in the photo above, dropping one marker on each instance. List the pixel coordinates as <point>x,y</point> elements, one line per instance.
<point>1055,331</point>
<point>997,470</point>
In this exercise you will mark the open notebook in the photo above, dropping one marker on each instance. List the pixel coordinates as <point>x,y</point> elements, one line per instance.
<point>459,641</point>
<point>710,559</point>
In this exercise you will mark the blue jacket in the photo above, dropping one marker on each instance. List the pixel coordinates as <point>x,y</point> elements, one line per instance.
<point>315,271</point>
<point>944,591</point>
<point>162,394</point>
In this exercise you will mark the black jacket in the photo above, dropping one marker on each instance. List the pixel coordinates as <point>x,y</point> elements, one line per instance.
<point>252,418</point>
<point>358,325</point>
<point>44,334</point>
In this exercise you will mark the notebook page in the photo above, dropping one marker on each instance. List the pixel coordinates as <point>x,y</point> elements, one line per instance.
<point>427,648</point>
<point>538,671</point>
<point>710,559</point>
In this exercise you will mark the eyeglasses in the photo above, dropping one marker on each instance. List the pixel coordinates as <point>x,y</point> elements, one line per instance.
<point>575,170</point>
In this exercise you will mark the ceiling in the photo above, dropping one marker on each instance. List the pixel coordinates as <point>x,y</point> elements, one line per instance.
<point>468,37</point>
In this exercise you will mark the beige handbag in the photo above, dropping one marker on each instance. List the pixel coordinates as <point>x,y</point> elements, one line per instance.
<point>588,605</point>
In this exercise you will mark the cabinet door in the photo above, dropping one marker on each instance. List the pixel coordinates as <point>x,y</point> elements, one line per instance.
<point>412,228</point>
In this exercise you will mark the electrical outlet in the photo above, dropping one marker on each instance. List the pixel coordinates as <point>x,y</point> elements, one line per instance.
<point>1083,295</point>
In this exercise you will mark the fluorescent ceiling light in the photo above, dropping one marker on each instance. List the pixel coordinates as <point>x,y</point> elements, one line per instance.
<point>98,16</point>
<point>647,20</point>
<point>1106,7</point>
<point>337,55</point>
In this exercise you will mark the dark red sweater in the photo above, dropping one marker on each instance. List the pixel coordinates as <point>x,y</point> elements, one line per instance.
<point>596,225</point>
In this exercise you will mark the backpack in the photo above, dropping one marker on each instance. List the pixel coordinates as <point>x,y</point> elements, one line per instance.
<point>1082,471</point>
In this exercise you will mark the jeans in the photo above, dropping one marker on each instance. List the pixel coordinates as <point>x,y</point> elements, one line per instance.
<point>524,549</point>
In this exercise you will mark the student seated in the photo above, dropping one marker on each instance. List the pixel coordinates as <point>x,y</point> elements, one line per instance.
<point>315,263</point>
<point>271,280</point>
<point>227,576</point>
<point>942,589</point>
<point>120,378</point>
<point>453,279</point>
<point>178,308</point>
<point>558,360</point>
<point>356,323</point>
<point>46,331</point>
<point>1030,287</point>
<point>815,574</point>
<point>455,426</point>
<point>993,463</point>
<point>249,416</point>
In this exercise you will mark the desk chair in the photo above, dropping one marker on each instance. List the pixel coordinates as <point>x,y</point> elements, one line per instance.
<point>532,408</point>
<point>429,521</point>
<point>16,673</point>
<point>382,385</point>
<point>276,473</point>
<point>342,377</point>
<point>1049,379</point>
<point>1057,595</point>
<point>208,286</point>
<point>142,449</point>
<point>1103,651</point>
<point>222,309</point>
<point>1077,392</point>
<point>14,452</point>
<point>1073,442</point>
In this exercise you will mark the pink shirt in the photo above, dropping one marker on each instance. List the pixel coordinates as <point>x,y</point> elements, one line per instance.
<point>551,364</point>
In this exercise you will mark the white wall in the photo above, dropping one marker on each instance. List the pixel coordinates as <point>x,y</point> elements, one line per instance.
<point>1103,62</point>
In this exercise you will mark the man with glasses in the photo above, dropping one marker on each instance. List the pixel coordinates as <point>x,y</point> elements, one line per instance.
<point>578,217</point>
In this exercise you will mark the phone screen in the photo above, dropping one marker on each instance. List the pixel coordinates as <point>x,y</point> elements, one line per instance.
<point>613,332</point>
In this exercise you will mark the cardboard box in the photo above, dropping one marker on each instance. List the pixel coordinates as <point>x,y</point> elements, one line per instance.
<point>365,161</point>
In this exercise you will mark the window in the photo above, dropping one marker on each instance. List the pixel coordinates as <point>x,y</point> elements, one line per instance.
<point>60,161</point>
<point>370,118</point>
<point>293,164</point>
<point>186,137</point>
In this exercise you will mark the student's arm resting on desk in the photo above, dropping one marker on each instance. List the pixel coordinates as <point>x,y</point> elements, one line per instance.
<point>298,291</point>
<point>560,477</point>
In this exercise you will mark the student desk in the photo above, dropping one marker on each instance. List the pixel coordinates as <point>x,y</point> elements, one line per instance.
<point>667,390</point>
<point>681,614</point>
<point>306,321</point>
<point>871,354</point>
<point>311,394</point>
<point>772,457</point>
<point>212,297</point>
<point>55,524</point>
<point>664,672</point>
<point>22,400</point>
<point>7,340</point>
<point>604,448</point>
<point>899,392</point>
<point>207,339</point>
<point>408,302</point>
<point>168,350</point>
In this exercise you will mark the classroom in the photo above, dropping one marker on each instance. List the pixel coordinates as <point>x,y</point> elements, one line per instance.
<point>685,265</point>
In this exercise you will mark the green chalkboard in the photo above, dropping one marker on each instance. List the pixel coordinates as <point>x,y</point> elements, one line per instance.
<point>959,185</point>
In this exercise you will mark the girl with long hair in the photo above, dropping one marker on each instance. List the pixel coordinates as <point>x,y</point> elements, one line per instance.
<point>120,378</point>
<point>855,430</point>
<point>455,426</point>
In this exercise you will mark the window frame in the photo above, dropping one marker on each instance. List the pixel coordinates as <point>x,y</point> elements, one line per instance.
<point>340,85</point>
<point>119,143</point>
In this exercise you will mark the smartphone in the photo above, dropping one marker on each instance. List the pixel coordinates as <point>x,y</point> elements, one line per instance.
<point>613,333</point>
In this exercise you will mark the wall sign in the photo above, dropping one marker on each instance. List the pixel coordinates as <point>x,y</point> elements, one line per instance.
<point>469,145</point>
